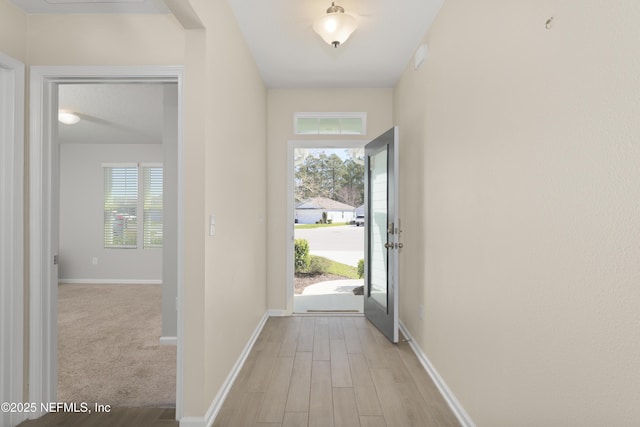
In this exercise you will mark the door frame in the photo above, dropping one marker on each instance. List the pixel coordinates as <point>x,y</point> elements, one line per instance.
<point>43,230</point>
<point>12,80</point>
<point>290,217</point>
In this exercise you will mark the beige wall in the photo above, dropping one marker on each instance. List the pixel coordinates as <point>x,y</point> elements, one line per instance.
<point>282,103</point>
<point>520,183</point>
<point>13,31</point>
<point>225,161</point>
<point>107,39</point>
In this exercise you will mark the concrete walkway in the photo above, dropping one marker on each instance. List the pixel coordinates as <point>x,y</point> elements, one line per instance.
<point>333,287</point>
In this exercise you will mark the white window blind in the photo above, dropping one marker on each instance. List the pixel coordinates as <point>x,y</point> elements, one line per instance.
<point>152,206</point>
<point>120,206</point>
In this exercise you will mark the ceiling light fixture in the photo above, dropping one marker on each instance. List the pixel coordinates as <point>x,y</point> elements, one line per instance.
<point>336,26</point>
<point>68,118</point>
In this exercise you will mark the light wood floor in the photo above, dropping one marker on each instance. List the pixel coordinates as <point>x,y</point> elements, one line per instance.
<point>332,371</point>
<point>118,417</point>
<point>309,371</point>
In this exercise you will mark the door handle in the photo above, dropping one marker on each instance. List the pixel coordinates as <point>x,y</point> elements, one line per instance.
<point>394,245</point>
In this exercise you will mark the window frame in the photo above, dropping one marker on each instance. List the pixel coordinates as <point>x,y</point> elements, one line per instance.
<point>329,115</point>
<point>141,222</point>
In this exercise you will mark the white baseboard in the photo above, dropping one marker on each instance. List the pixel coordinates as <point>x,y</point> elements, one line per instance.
<point>216,404</point>
<point>277,313</point>
<point>169,341</point>
<point>111,281</point>
<point>464,418</point>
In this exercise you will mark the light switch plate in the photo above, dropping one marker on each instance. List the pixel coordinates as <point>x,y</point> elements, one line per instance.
<point>212,226</point>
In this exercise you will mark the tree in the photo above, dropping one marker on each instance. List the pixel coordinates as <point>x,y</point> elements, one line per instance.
<point>352,188</point>
<point>322,175</point>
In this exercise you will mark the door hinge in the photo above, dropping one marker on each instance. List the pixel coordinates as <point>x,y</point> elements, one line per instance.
<point>55,260</point>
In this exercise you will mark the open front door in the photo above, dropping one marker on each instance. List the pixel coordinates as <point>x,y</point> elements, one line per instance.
<point>382,231</point>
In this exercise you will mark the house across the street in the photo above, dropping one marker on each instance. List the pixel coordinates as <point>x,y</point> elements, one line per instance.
<point>310,211</point>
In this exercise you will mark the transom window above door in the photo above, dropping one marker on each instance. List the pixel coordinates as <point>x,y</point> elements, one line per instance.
<point>330,123</point>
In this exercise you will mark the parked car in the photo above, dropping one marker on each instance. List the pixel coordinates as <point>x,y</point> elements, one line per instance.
<point>359,220</point>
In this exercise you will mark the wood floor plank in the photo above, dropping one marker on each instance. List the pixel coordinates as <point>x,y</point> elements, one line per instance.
<point>321,349</point>
<point>360,370</point>
<point>389,396</point>
<point>369,421</point>
<point>335,328</point>
<point>305,338</point>
<point>143,418</point>
<point>321,399</point>
<point>393,360</point>
<point>296,419</point>
<point>261,373</point>
<point>278,329</point>
<point>290,340</point>
<point>420,413</point>
<point>345,411</point>
<point>340,372</point>
<point>275,399</point>
<point>365,391</point>
<point>299,389</point>
<point>246,413</point>
<point>351,338</point>
<point>118,417</point>
<point>438,407</point>
<point>361,322</point>
<point>263,338</point>
<point>375,357</point>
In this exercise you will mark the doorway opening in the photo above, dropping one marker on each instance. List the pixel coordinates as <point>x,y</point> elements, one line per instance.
<point>45,214</point>
<point>115,171</point>
<point>327,230</point>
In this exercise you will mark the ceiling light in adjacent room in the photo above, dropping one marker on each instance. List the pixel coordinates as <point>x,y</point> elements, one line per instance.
<point>68,118</point>
<point>336,26</point>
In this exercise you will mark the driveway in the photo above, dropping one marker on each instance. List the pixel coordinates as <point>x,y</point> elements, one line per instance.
<point>343,244</point>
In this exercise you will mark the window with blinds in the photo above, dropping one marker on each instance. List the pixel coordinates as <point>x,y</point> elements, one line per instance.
<point>123,183</point>
<point>120,206</point>
<point>152,206</point>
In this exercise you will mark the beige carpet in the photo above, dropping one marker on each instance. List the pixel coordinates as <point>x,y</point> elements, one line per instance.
<point>108,346</point>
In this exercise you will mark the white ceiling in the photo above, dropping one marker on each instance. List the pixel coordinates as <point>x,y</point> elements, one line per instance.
<point>112,113</point>
<point>290,54</point>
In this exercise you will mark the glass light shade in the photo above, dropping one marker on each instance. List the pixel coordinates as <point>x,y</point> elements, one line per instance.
<point>68,118</point>
<point>335,28</point>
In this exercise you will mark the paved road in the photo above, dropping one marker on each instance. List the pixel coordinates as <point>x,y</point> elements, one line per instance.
<point>344,244</point>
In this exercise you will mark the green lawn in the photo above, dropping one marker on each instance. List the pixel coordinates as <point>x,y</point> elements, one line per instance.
<point>340,269</point>
<point>303,226</point>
